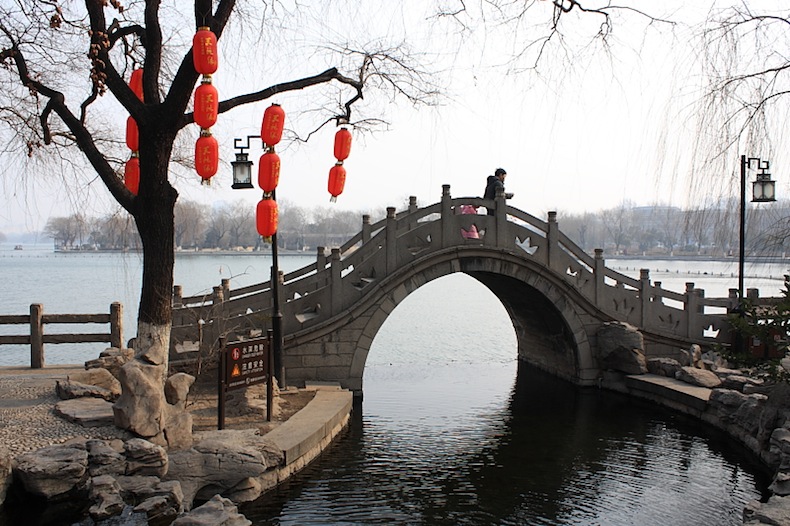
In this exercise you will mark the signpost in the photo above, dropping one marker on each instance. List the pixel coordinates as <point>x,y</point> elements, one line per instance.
<point>242,364</point>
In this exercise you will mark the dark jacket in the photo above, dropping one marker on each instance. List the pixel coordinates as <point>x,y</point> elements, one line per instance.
<point>492,183</point>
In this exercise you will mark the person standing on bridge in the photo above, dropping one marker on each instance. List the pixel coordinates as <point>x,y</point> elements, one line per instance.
<point>493,183</point>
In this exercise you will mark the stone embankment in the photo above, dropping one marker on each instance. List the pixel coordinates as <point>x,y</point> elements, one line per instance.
<point>752,411</point>
<point>59,445</point>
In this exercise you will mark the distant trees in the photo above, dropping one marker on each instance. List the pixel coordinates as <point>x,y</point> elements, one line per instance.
<point>625,229</point>
<point>228,226</point>
<point>666,230</point>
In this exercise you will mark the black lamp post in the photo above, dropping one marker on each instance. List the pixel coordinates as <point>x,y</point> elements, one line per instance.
<point>242,178</point>
<point>763,191</point>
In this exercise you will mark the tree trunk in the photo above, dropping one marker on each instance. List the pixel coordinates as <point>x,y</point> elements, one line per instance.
<point>142,407</point>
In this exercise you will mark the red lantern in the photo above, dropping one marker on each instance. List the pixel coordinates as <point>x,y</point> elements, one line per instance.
<point>204,51</point>
<point>132,134</point>
<point>136,83</point>
<point>342,144</point>
<point>266,217</point>
<point>131,175</point>
<point>206,156</point>
<point>272,125</point>
<point>206,104</point>
<point>337,180</point>
<point>269,171</point>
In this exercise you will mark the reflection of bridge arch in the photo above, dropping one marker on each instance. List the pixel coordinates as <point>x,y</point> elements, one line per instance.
<point>556,295</point>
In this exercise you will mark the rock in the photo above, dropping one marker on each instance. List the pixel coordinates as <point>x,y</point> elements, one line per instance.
<point>140,408</point>
<point>105,494</point>
<point>700,377</point>
<point>178,428</point>
<point>663,366</point>
<point>5,473</point>
<point>111,359</point>
<point>694,354</point>
<point>67,390</point>
<point>713,360</point>
<point>218,511</point>
<point>775,413</point>
<point>98,377</point>
<point>163,504</point>
<point>53,471</point>
<point>145,458</point>
<point>215,465</point>
<point>776,511</point>
<point>177,388</point>
<point>87,412</point>
<point>104,459</point>
<point>781,484</point>
<point>737,382</point>
<point>620,348</point>
<point>153,409</point>
<point>137,488</point>
<point>157,511</point>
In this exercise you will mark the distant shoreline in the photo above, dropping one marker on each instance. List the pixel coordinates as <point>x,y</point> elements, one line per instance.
<point>283,252</point>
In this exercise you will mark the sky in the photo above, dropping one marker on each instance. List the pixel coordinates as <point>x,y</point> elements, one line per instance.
<point>583,133</point>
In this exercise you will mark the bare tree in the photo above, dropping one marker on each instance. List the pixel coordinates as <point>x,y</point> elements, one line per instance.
<point>67,65</point>
<point>618,222</point>
<point>241,225</point>
<point>190,223</point>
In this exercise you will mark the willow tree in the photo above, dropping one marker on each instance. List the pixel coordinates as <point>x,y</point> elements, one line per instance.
<point>63,60</point>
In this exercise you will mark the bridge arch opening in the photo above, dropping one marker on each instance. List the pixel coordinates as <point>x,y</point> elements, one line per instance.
<point>453,318</point>
<point>475,315</point>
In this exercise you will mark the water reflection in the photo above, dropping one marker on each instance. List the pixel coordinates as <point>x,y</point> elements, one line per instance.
<point>472,444</point>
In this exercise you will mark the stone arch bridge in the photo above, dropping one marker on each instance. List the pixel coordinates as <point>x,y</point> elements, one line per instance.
<point>557,295</point>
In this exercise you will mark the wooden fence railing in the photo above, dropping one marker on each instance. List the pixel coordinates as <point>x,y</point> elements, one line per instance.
<point>37,337</point>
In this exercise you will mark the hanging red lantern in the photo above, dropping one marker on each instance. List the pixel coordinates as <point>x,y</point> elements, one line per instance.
<point>206,104</point>
<point>204,51</point>
<point>272,125</point>
<point>131,174</point>
<point>337,180</point>
<point>266,217</point>
<point>136,83</point>
<point>206,156</point>
<point>342,144</point>
<point>132,134</point>
<point>269,171</point>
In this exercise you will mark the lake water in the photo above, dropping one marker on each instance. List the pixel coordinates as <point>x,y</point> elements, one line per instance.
<point>450,430</point>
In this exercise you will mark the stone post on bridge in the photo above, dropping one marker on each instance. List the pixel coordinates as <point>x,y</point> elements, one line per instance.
<point>448,238</point>
<point>644,295</point>
<point>599,274</point>
<point>553,241</point>
<point>391,240</point>
<point>336,285</point>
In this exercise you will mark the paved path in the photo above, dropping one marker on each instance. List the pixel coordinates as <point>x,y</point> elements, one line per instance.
<point>27,422</point>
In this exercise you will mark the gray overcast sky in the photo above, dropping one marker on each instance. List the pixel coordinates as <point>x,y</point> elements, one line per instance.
<point>576,137</point>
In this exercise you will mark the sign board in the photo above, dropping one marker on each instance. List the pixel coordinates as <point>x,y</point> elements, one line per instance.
<point>246,363</point>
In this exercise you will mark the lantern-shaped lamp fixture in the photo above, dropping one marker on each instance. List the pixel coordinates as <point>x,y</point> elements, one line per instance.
<point>337,180</point>
<point>206,156</point>
<point>763,189</point>
<point>204,51</point>
<point>269,171</point>
<point>342,144</point>
<point>266,217</point>
<point>272,125</point>
<point>206,104</point>
<point>136,83</point>
<point>242,171</point>
<point>132,134</point>
<point>131,174</point>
